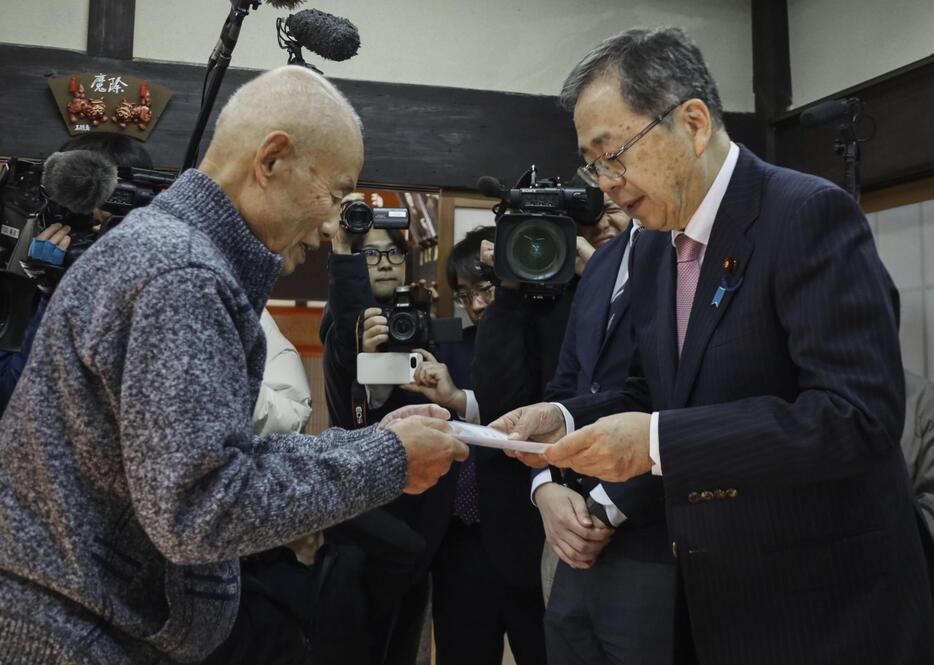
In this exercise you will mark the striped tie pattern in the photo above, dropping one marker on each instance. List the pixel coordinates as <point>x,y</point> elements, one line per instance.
<point>688,251</point>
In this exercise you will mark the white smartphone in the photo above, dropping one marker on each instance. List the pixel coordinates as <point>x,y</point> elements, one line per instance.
<point>381,369</point>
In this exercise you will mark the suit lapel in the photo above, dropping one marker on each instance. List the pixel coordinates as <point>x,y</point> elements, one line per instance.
<point>604,331</point>
<point>739,208</point>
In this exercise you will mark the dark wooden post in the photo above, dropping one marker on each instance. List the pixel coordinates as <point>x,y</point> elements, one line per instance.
<point>771,66</point>
<point>110,28</point>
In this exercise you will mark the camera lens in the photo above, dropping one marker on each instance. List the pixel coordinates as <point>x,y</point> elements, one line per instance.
<point>356,217</point>
<point>402,326</point>
<point>536,250</point>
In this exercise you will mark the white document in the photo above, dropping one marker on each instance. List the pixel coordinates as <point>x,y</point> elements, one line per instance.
<point>477,435</point>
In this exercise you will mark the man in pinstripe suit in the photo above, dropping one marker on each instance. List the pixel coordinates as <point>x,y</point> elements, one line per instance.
<point>767,391</point>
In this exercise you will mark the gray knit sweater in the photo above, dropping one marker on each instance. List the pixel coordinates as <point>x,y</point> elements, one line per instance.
<point>130,481</point>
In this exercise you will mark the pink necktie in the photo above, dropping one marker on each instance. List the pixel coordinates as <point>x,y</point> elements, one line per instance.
<point>688,272</point>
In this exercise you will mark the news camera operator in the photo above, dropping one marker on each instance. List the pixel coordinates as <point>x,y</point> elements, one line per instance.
<point>522,335</point>
<point>148,365</point>
<point>587,618</point>
<point>119,151</point>
<point>488,538</point>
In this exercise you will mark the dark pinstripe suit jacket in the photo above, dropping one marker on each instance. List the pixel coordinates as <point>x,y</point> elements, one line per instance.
<point>786,494</point>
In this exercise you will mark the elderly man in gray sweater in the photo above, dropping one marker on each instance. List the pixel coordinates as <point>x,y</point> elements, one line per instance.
<point>130,481</point>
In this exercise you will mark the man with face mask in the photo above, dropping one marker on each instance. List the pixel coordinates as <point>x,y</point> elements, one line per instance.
<point>132,478</point>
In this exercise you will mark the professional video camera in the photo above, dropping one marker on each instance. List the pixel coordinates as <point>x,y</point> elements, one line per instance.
<point>67,189</point>
<point>357,218</point>
<point>411,327</point>
<point>536,230</point>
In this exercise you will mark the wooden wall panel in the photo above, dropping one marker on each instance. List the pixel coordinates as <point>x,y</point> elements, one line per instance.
<point>902,104</point>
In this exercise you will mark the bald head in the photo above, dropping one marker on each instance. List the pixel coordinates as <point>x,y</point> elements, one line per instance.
<point>286,148</point>
<point>290,99</point>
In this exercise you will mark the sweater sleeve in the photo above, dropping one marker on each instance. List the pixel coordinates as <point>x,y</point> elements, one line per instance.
<point>204,488</point>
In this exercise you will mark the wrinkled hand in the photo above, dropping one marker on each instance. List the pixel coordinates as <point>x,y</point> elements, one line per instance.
<point>584,251</point>
<point>433,380</point>
<point>57,235</point>
<point>573,533</point>
<point>375,329</point>
<point>615,448</point>
<point>427,410</point>
<point>539,422</point>
<point>430,448</point>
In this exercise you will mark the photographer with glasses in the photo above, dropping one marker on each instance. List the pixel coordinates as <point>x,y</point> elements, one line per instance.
<point>372,587</point>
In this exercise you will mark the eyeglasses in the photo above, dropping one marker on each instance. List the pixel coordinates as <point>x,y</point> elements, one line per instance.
<point>394,255</point>
<point>609,165</point>
<point>465,296</point>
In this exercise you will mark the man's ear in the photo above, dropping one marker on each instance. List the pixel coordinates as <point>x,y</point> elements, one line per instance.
<point>697,119</point>
<point>269,156</point>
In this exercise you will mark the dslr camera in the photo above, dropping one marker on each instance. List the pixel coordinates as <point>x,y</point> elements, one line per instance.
<point>409,319</point>
<point>536,230</point>
<point>357,218</point>
<point>411,326</point>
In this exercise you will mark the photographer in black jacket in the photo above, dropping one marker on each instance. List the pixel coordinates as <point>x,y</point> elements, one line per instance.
<point>487,536</point>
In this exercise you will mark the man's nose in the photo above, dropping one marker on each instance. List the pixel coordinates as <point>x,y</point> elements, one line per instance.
<point>608,185</point>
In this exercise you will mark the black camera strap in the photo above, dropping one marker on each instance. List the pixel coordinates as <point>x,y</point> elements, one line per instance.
<point>358,405</point>
<point>358,401</point>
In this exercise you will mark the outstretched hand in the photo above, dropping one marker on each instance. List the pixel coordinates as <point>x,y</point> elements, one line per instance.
<point>428,441</point>
<point>615,448</point>
<point>541,422</point>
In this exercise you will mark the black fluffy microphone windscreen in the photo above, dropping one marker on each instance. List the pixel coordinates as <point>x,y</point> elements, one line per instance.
<point>490,186</point>
<point>329,36</point>
<point>285,4</point>
<point>826,112</point>
<point>79,180</point>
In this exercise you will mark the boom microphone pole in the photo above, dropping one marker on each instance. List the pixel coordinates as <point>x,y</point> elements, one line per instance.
<point>217,66</point>
<point>847,111</point>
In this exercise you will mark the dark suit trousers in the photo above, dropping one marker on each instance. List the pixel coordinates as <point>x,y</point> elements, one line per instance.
<point>473,606</point>
<point>621,611</point>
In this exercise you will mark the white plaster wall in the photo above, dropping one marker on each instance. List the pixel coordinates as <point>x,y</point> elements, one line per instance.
<point>513,45</point>
<point>60,23</point>
<point>905,239</point>
<point>836,44</point>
